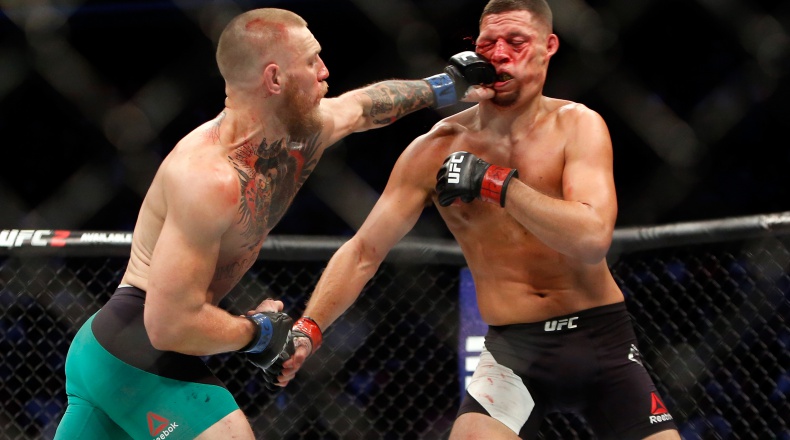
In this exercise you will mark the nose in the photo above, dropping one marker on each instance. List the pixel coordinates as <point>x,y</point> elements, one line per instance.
<point>500,53</point>
<point>323,71</point>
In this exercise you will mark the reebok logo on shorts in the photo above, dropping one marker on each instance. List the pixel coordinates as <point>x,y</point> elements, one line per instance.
<point>658,410</point>
<point>159,427</point>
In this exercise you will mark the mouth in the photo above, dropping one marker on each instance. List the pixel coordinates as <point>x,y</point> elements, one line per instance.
<point>322,93</point>
<point>503,77</point>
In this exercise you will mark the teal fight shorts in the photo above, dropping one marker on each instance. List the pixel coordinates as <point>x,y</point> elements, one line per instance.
<point>120,387</point>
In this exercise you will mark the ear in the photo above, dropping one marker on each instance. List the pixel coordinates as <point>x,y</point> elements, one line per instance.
<point>552,45</point>
<point>272,79</point>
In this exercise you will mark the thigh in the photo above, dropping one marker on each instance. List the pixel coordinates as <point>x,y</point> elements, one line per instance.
<point>499,396</point>
<point>480,426</point>
<point>149,406</point>
<point>626,404</point>
<point>144,404</point>
<point>234,425</point>
<point>84,421</point>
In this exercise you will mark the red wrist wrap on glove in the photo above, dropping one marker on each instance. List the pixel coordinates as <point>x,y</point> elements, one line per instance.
<point>495,182</point>
<point>309,327</point>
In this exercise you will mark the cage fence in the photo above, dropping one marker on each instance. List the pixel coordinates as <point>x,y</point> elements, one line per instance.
<point>710,302</point>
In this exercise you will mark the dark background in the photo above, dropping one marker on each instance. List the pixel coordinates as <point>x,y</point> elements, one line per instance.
<point>93,95</point>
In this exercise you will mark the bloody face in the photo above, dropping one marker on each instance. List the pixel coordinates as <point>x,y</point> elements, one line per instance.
<point>519,46</point>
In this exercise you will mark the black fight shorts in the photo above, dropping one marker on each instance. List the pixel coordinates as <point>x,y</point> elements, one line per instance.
<point>586,363</point>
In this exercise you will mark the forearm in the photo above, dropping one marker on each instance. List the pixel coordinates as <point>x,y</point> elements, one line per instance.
<point>345,276</point>
<point>569,227</point>
<point>201,330</point>
<point>387,101</point>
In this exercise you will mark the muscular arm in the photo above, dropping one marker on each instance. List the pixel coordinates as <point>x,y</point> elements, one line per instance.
<point>179,315</point>
<point>580,224</point>
<point>381,104</point>
<point>355,263</point>
<point>375,106</point>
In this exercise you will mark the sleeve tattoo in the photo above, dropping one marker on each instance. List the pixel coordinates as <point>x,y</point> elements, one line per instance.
<point>394,99</point>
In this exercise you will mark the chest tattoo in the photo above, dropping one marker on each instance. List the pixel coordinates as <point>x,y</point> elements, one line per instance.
<point>270,174</point>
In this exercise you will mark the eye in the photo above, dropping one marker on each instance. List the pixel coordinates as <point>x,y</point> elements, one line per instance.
<point>517,43</point>
<point>483,46</point>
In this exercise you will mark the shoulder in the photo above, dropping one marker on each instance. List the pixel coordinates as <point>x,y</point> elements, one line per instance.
<point>570,112</point>
<point>197,176</point>
<point>421,160</point>
<point>449,128</point>
<point>583,129</point>
<point>437,141</point>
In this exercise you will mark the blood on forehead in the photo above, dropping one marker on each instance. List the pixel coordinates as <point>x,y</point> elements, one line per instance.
<point>277,30</point>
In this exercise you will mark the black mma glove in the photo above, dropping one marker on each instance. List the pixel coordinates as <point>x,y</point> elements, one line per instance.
<point>271,374</point>
<point>466,69</point>
<point>463,175</point>
<point>305,327</point>
<point>272,330</point>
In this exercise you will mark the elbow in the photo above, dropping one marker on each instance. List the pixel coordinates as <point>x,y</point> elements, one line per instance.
<point>594,256</point>
<point>163,334</point>
<point>368,258</point>
<point>595,248</point>
<point>595,241</point>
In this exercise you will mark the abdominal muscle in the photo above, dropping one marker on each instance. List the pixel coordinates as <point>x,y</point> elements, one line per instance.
<point>518,279</point>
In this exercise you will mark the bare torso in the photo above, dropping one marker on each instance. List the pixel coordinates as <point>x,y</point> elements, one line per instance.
<point>268,176</point>
<point>518,278</point>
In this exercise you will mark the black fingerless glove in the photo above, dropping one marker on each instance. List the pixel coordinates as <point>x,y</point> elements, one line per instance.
<point>271,374</point>
<point>272,330</point>
<point>463,175</point>
<point>304,327</point>
<point>466,69</point>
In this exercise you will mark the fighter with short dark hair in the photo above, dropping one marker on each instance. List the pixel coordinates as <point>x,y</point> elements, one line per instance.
<point>525,184</point>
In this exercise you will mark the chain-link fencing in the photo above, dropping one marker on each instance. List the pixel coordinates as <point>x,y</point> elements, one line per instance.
<point>711,305</point>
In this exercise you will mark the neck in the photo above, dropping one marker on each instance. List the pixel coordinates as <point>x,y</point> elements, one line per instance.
<point>246,124</point>
<point>510,119</point>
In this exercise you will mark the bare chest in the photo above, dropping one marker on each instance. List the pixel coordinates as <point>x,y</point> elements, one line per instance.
<point>540,160</point>
<point>269,176</point>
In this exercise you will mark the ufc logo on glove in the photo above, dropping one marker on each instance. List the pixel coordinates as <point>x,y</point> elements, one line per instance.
<point>465,176</point>
<point>454,170</point>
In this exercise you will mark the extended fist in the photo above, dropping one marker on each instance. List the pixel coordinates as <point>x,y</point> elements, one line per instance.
<point>465,176</point>
<point>466,69</point>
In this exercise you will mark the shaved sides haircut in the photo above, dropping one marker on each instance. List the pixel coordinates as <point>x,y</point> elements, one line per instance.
<point>539,8</point>
<point>250,39</point>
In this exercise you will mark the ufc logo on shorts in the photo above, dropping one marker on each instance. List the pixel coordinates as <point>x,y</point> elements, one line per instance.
<point>557,325</point>
<point>454,175</point>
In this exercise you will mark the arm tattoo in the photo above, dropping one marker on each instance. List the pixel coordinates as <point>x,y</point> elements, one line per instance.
<point>394,99</point>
